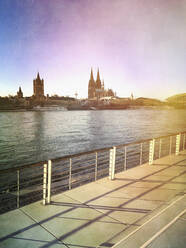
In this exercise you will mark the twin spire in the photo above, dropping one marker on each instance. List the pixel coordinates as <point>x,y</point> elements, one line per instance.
<point>96,89</point>
<point>92,77</point>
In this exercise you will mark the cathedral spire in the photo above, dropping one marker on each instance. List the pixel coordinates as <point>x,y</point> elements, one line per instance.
<point>98,77</point>
<point>98,81</point>
<point>91,76</point>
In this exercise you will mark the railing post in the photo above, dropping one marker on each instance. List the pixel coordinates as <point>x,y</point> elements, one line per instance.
<point>125,161</point>
<point>160,144</point>
<point>178,138</point>
<point>49,179</point>
<point>70,175</point>
<point>96,166</point>
<point>151,151</point>
<point>141,152</point>
<point>170,147</point>
<point>183,141</point>
<point>112,163</point>
<point>18,189</point>
<point>44,183</point>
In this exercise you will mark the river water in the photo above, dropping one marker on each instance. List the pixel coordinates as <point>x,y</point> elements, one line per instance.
<point>28,137</point>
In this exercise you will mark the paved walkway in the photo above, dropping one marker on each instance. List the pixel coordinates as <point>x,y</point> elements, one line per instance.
<point>143,207</point>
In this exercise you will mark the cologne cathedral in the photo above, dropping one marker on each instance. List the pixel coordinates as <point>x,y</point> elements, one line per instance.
<point>96,89</point>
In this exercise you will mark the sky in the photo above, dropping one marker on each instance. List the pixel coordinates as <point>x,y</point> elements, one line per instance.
<point>139,46</point>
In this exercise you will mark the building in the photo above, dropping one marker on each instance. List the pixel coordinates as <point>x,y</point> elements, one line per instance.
<point>38,88</point>
<point>19,93</point>
<point>96,89</point>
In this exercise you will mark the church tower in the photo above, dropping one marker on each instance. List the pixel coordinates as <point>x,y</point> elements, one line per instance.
<point>20,93</point>
<point>38,87</point>
<point>91,86</point>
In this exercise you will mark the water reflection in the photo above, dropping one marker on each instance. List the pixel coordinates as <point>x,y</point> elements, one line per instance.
<point>38,121</point>
<point>27,137</point>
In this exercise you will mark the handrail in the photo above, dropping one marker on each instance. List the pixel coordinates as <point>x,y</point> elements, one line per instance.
<point>84,153</point>
<point>51,177</point>
<point>22,167</point>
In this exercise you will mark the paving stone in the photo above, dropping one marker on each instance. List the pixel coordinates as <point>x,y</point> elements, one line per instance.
<point>133,192</point>
<point>161,178</point>
<point>41,213</point>
<point>169,172</point>
<point>144,184</point>
<point>88,193</point>
<point>125,217</point>
<point>106,202</point>
<point>140,172</point>
<point>117,194</point>
<point>169,160</point>
<point>112,184</point>
<point>182,163</point>
<point>115,239</point>
<point>18,230</point>
<point>179,168</point>
<point>144,204</point>
<point>178,187</point>
<point>87,214</point>
<point>160,195</point>
<point>181,179</point>
<point>94,234</point>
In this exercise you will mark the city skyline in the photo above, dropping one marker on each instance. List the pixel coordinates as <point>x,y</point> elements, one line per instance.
<point>138,46</point>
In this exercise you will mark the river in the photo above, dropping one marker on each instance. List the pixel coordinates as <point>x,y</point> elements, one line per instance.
<point>28,137</point>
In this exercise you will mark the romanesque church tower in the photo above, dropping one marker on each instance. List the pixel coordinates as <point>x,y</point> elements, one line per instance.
<point>38,88</point>
<point>19,93</point>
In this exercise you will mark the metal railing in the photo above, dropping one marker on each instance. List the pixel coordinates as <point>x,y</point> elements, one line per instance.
<point>23,185</point>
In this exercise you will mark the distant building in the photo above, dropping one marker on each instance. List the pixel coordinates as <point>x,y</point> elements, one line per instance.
<point>19,93</point>
<point>38,88</point>
<point>96,89</point>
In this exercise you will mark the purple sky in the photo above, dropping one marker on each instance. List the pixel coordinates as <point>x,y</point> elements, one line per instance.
<point>138,45</point>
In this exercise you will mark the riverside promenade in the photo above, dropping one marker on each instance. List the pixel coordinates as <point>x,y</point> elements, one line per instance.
<point>142,207</point>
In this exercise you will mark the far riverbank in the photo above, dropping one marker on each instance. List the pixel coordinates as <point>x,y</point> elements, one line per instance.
<point>85,107</point>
